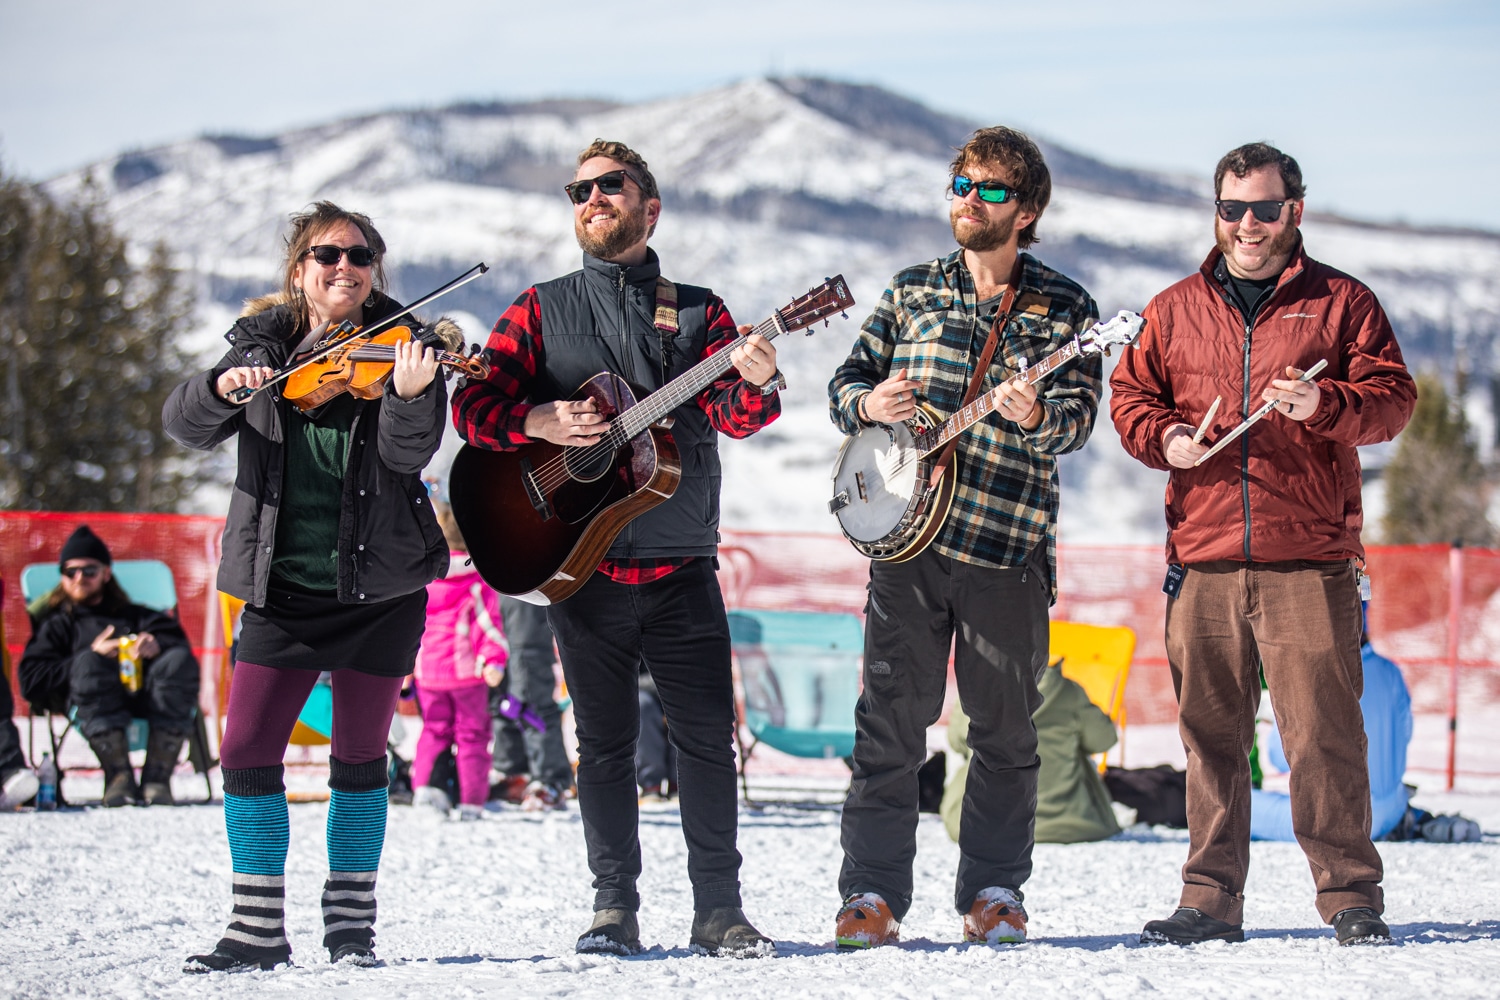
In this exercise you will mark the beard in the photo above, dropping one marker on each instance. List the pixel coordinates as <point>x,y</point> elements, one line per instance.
<point>1278,247</point>
<point>981,237</point>
<point>608,241</point>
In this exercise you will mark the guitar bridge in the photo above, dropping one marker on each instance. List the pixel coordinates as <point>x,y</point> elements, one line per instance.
<point>859,482</point>
<point>534,492</point>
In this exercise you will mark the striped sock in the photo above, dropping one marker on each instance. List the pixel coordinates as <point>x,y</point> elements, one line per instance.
<point>357,805</point>
<point>255,816</point>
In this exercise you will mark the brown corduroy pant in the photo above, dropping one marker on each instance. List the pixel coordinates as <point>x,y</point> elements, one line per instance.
<point>1300,622</point>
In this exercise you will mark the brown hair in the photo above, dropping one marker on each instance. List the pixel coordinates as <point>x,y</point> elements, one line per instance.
<point>307,225</point>
<point>112,597</point>
<point>1253,156</point>
<point>624,154</point>
<point>1013,150</point>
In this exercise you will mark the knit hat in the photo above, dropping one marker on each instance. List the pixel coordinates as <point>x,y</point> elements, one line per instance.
<point>84,544</point>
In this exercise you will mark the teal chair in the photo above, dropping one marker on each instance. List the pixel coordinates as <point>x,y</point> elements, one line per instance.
<point>800,676</point>
<point>148,582</point>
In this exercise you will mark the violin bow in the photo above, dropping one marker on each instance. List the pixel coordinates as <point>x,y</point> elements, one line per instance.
<point>244,393</point>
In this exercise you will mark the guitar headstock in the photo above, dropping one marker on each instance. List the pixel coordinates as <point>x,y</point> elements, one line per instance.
<point>832,296</point>
<point>1119,331</point>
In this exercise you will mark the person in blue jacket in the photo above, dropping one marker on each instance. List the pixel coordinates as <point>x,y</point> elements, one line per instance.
<point>1386,705</point>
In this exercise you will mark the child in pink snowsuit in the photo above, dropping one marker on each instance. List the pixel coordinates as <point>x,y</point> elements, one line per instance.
<point>463,653</point>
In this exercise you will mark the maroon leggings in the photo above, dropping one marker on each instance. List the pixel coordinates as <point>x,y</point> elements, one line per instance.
<point>264,703</point>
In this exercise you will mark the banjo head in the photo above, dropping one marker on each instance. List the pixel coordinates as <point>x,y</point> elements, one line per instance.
<point>878,471</point>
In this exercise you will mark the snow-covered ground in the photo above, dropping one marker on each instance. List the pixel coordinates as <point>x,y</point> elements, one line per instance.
<point>108,903</point>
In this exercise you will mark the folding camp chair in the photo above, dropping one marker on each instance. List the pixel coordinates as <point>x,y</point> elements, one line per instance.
<point>1097,658</point>
<point>149,583</point>
<point>800,675</point>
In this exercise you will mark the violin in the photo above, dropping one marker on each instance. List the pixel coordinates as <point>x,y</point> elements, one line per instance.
<point>375,360</point>
<point>360,365</point>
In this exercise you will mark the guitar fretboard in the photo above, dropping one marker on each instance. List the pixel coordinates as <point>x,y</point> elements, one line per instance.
<point>984,405</point>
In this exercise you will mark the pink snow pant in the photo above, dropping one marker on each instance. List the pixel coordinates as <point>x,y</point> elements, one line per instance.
<point>459,717</point>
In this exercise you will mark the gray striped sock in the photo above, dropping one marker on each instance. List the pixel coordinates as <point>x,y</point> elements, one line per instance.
<point>349,910</point>
<point>257,924</point>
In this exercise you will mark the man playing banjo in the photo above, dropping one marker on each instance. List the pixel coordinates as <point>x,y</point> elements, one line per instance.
<point>986,579</point>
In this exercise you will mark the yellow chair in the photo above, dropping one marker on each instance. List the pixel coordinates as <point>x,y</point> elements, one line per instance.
<point>303,735</point>
<point>1097,658</point>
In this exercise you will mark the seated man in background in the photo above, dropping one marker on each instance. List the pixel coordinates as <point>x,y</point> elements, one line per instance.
<point>73,662</point>
<point>1072,804</point>
<point>1386,707</point>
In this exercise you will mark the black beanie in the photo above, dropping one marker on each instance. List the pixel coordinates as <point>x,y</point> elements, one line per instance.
<point>84,544</point>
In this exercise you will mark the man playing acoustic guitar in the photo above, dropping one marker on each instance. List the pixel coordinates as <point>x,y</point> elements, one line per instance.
<point>987,576</point>
<point>655,596</point>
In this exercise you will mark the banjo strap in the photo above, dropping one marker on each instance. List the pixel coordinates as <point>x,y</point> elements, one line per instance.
<point>1002,315</point>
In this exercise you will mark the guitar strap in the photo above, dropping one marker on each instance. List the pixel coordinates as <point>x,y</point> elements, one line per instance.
<point>1002,316</point>
<point>666,320</point>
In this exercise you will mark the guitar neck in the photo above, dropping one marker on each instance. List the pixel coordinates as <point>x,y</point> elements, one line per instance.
<point>687,385</point>
<point>984,405</point>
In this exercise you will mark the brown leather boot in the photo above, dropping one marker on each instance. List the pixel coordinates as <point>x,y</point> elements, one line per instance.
<point>113,751</point>
<point>162,751</point>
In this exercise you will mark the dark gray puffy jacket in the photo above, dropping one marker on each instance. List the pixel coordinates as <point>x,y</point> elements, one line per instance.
<point>389,540</point>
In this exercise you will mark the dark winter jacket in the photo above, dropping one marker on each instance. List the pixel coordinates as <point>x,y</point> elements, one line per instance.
<point>602,318</point>
<point>65,633</point>
<point>1285,490</point>
<point>389,541</point>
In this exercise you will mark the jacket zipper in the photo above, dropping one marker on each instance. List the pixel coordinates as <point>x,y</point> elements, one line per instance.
<point>1245,441</point>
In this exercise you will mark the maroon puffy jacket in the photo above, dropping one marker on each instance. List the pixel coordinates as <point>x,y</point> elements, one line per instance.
<point>1284,490</point>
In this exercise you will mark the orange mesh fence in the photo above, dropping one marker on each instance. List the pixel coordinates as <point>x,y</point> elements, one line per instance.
<point>1410,620</point>
<point>1450,653</point>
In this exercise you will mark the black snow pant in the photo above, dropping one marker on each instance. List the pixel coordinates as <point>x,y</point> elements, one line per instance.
<point>519,749</point>
<point>916,611</point>
<point>166,700</point>
<point>677,626</point>
<point>11,758</point>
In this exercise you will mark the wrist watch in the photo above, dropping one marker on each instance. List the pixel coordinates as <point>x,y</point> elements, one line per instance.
<point>776,381</point>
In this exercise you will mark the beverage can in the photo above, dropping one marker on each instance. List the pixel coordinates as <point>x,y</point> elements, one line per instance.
<point>130,662</point>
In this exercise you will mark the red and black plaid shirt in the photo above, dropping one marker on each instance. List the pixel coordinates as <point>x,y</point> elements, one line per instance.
<point>492,414</point>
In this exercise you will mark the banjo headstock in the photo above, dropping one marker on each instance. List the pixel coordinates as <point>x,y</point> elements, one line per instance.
<point>1119,331</point>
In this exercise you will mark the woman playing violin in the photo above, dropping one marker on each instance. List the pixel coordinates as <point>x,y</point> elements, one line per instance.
<point>330,540</point>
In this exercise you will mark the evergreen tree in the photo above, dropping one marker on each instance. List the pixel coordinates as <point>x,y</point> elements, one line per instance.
<point>1436,488</point>
<point>88,350</point>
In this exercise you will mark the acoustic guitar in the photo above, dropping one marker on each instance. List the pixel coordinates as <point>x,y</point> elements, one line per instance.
<point>883,493</point>
<point>538,520</point>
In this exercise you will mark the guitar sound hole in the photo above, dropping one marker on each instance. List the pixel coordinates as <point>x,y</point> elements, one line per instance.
<point>589,463</point>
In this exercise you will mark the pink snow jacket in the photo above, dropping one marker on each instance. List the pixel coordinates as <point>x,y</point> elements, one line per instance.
<point>463,633</point>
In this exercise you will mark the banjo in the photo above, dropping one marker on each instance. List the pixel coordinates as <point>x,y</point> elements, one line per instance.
<point>883,494</point>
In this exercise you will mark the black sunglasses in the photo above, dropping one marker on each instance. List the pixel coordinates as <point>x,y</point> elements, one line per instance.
<point>994,192</point>
<point>610,183</point>
<point>1265,211</point>
<point>87,572</point>
<point>328,255</point>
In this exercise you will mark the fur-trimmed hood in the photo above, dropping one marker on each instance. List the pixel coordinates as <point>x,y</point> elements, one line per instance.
<point>445,329</point>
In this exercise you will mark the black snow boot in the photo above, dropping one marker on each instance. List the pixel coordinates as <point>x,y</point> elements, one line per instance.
<point>613,932</point>
<point>1190,926</point>
<point>226,959</point>
<point>113,751</point>
<point>1360,925</point>
<point>724,930</point>
<point>162,751</point>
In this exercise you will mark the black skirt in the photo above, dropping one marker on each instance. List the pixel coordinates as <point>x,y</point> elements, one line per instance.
<point>313,630</point>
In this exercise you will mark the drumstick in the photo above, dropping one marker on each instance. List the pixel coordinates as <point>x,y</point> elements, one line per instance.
<point>1207,417</point>
<point>1306,376</point>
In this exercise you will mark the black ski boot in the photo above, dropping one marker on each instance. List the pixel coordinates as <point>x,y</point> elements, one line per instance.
<point>1190,926</point>
<point>162,751</point>
<point>613,932</point>
<point>1360,925</point>
<point>113,751</point>
<point>724,930</point>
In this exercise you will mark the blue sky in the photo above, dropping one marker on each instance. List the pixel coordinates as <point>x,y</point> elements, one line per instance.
<point>1389,106</point>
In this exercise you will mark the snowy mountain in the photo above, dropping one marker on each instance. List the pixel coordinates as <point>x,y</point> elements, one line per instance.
<point>768,186</point>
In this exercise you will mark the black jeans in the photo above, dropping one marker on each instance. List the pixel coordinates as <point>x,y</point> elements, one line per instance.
<point>167,698</point>
<point>677,625</point>
<point>519,749</point>
<point>916,611</point>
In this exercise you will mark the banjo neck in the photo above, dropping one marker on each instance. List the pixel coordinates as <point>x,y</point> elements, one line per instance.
<point>985,404</point>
